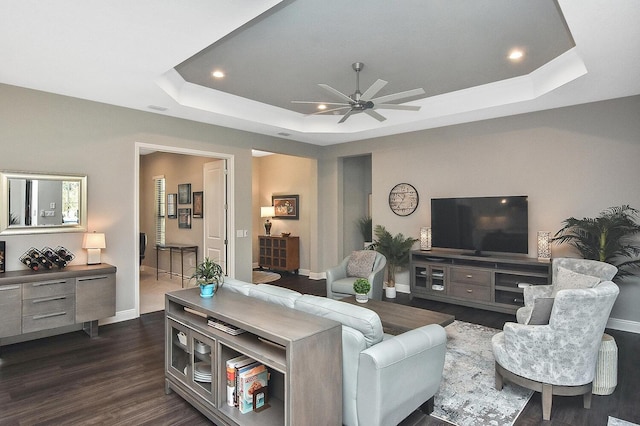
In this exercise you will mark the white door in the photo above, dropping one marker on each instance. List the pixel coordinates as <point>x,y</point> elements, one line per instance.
<point>215,212</point>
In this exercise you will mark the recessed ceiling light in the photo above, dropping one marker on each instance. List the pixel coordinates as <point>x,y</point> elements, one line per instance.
<point>217,74</point>
<point>516,54</point>
<point>322,106</point>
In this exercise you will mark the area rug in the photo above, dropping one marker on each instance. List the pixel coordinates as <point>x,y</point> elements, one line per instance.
<point>263,277</point>
<point>467,394</point>
<point>619,422</point>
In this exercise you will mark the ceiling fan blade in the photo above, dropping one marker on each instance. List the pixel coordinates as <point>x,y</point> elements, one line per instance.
<point>373,89</point>
<point>330,110</point>
<point>374,114</point>
<point>336,92</point>
<point>320,102</point>
<point>347,115</point>
<point>399,95</point>
<point>395,106</point>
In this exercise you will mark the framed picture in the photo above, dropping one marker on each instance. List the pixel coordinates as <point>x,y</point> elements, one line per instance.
<point>184,218</point>
<point>286,206</point>
<point>198,204</point>
<point>184,193</point>
<point>171,206</point>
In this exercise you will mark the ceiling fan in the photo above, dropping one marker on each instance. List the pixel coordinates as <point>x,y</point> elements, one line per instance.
<point>364,102</point>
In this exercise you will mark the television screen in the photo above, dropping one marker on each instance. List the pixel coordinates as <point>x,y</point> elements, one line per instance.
<point>481,224</point>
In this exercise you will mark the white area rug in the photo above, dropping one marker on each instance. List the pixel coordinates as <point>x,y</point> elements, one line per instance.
<point>263,277</point>
<point>467,395</point>
<point>618,422</point>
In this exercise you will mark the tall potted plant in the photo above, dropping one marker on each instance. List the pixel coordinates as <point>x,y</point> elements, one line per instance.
<point>209,276</point>
<point>396,249</point>
<point>607,238</point>
<point>365,225</point>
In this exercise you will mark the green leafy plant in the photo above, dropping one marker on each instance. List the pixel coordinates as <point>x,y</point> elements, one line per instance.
<point>395,248</point>
<point>361,286</point>
<point>365,224</point>
<point>208,272</point>
<point>607,238</point>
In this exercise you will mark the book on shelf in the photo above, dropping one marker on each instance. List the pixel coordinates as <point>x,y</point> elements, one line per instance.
<point>224,326</point>
<point>232,364</point>
<point>251,381</point>
<point>239,370</point>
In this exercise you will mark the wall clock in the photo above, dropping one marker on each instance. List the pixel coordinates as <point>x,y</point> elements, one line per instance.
<point>403,199</point>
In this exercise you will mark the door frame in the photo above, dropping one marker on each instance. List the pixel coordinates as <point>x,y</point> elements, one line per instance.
<point>141,147</point>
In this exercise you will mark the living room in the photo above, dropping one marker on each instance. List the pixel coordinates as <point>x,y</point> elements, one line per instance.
<point>570,161</point>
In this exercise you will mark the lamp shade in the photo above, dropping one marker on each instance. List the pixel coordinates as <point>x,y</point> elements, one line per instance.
<point>425,238</point>
<point>94,240</point>
<point>544,245</point>
<point>268,211</point>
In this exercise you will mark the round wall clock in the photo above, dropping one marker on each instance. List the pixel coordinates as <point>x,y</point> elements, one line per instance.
<point>403,199</point>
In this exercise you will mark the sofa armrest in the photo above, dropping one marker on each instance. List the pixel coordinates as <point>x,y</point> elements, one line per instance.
<point>533,291</point>
<point>398,375</point>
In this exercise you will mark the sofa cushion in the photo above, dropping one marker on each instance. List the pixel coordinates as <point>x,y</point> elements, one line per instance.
<point>361,263</point>
<point>274,294</point>
<point>237,286</point>
<point>343,286</point>
<point>567,279</point>
<point>364,320</point>
<point>541,311</point>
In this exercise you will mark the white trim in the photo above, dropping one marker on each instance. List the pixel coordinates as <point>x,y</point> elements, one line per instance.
<point>129,314</point>
<point>624,325</point>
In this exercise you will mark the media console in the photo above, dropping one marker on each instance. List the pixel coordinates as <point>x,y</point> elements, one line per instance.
<point>491,282</point>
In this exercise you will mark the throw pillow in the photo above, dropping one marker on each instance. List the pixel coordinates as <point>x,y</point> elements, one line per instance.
<point>567,279</point>
<point>541,311</point>
<point>361,263</point>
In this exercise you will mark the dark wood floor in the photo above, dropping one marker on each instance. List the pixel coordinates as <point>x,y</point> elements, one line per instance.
<point>118,379</point>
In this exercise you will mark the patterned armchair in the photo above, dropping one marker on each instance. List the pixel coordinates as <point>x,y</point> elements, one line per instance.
<point>601,270</point>
<point>558,358</point>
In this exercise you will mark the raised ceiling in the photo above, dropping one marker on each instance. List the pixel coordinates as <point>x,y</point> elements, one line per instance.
<point>158,56</point>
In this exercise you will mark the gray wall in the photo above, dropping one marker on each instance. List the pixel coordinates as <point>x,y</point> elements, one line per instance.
<point>572,161</point>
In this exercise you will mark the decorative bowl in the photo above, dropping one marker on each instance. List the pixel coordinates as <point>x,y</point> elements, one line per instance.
<point>286,234</point>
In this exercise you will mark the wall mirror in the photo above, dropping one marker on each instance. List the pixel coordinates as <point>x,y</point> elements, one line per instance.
<point>42,203</point>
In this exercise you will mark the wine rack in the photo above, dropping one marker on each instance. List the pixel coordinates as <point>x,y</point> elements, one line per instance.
<point>46,258</point>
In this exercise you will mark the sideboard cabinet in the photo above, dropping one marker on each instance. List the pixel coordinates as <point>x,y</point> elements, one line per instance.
<point>279,253</point>
<point>492,283</point>
<point>36,304</point>
<point>302,352</point>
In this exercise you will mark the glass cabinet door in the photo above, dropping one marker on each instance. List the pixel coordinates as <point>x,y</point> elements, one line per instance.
<point>203,373</point>
<point>178,350</point>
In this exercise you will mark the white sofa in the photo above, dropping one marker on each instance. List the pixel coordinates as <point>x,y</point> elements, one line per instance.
<point>385,378</point>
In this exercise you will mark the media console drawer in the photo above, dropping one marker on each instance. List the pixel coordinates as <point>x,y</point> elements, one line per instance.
<point>470,275</point>
<point>470,291</point>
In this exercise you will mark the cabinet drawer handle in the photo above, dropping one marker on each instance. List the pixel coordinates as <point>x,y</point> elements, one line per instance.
<point>12,287</point>
<point>469,290</point>
<point>48,283</point>
<point>49,299</point>
<point>92,278</point>
<point>469,276</point>
<point>54,314</point>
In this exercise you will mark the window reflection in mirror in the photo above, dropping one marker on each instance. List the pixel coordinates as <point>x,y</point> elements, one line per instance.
<point>42,203</point>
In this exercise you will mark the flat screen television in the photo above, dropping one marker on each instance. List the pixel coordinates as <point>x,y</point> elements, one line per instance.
<point>481,224</point>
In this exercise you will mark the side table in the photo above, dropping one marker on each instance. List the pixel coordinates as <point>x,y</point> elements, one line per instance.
<point>606,378</point>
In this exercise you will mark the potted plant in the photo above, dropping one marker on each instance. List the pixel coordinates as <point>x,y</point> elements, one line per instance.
<point>396,249</point>
<point>209,276</point>
<point>607,238</point>
<point>365,225</point>
<point>361,286</point>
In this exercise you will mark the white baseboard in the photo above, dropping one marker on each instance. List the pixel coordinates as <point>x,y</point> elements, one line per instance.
<point>120,316</point>
<point>317,275</point>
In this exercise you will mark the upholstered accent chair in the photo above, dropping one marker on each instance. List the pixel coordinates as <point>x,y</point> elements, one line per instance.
<point>558,358</point>
<point>601,270</point>
<point>340,278</point>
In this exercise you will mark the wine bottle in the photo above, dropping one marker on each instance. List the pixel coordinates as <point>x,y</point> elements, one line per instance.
<point>63,253</point>
<point>30,263</point>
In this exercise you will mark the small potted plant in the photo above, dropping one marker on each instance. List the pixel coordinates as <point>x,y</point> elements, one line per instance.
<point>361,286</point>
<point>209,276</point>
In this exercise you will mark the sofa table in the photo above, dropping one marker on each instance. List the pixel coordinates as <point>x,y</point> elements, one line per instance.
<point>397,319</point>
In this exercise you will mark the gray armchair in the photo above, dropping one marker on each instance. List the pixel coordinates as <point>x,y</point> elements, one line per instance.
<point>340,284</point>
<point>558,358</point>
<point>601,270</point>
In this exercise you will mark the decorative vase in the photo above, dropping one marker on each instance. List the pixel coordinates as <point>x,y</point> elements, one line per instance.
<point>207,290</point>
<point>362,298</point>
<point>390,292</point>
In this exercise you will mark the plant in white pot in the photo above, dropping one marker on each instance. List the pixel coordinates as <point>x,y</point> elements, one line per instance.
<point>209,276</point>
<point>361,286</point>
<point>396,249</point>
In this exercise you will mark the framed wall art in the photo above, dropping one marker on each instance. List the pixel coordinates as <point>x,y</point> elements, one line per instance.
<point>198,204</point>
<point>184,193</point>
<point>171,206</point>
<point>286,206</point>
<point>184,218</point>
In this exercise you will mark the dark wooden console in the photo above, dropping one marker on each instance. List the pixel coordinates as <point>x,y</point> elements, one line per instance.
<point>491,283</point>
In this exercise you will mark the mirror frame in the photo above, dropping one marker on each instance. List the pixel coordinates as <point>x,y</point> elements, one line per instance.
<point>6,229</point>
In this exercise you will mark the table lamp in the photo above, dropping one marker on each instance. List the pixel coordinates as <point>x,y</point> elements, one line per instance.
<point>267,212</point>
<point>93,242</point>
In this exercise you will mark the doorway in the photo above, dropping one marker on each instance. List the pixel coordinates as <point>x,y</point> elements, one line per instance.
<point>182,167</point>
